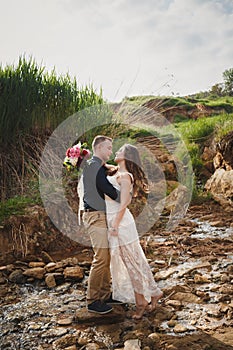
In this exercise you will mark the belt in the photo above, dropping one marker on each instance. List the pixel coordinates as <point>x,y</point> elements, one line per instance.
<point>89,210</point>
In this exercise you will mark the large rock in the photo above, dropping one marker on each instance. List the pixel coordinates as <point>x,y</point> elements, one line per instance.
<point>225,148</point>
<point>82,315</point>
<point>220,185</point>
<point>17,277</point>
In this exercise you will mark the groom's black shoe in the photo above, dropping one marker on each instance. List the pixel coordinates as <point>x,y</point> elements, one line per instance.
<point>99,307</point>
<point>112,301</point>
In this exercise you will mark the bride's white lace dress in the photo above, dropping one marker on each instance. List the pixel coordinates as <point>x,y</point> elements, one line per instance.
<point>129,267</point>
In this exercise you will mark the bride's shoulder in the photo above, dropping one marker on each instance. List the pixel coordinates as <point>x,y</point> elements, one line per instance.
<point>126,175</point>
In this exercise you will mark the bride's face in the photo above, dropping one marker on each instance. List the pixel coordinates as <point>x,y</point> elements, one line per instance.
<point>119,155</point>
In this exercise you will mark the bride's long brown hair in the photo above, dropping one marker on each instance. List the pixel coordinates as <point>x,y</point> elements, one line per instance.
<point>133,165</point>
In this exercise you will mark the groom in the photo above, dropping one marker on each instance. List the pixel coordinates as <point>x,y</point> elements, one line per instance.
<point>96,185</point>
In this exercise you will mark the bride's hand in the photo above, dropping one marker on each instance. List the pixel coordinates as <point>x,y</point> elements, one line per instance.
<point>113,231</point>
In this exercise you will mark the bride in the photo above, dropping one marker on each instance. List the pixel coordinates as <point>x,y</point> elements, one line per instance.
<point>132,279</point>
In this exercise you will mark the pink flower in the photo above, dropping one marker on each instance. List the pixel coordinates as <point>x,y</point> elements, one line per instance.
<point>68,152</point>
<point>76,151</point>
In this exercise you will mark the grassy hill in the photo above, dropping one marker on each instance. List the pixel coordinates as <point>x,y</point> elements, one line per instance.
<point>200,122</point>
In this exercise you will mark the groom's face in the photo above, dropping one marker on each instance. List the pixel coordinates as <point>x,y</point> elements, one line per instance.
<point>105,149</point>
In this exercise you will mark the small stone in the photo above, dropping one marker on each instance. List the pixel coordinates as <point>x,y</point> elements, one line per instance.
<point>154,336</point>
<point>174,303</point>
<point>66,341</point>
<point>224,308</point>
<point>34,326</point>
<point>186,297</point>
<point>162,275</point>
<point>171,347</point>
<point>205,297</point>
<point>74,272</point>
<point>225,278</point>
<point>63,288</point>
<point>201,278</point>
<point>35,272</point>
<point>193,322</point>
<point>50,281</point>
<point>132,344</point>
<point>179,328</point>
<point>51,266</point>
<point>92,346</point>
<point>184,272</point>
<point>230,267</point>
<point>65,321</point>
<point>226,289</point>
<point>213,310</point>
<point>17,277</point>
<point>36,264</point>
<point>54,332</point>
<point>160,262</point>
<point>171,323</point>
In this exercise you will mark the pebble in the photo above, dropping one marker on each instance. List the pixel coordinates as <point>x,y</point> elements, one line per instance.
<point>171,347</point>
<point>179,328</point>
<point>171,323</point>
<point>174,303</point>
<point>54,332</point>
<point>36,264</point>
<point>65,321</point>
<point>132,344</point>
<point>50,281</point>
<point>154,336</point>
<point>92,346</point>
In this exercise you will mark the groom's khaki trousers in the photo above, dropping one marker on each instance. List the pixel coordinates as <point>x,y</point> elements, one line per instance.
<point>99,278</point>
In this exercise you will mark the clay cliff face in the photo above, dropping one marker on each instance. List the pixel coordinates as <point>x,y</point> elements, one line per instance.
<point>220,184</point>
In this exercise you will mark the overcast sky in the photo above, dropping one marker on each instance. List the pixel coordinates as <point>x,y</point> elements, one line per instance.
<point>127,47</point>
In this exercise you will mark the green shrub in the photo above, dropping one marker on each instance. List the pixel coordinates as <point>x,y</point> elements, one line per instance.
<point>14,206</point>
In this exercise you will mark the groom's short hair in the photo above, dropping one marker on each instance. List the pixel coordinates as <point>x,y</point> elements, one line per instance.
<point>100,138</point>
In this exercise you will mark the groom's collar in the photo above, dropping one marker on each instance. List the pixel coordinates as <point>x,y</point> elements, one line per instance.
<point>98,160</point>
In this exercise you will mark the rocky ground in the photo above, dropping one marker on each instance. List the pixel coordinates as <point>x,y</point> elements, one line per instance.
<point>43,300</point>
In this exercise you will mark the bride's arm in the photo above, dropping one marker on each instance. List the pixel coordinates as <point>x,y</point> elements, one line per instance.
<point>125,199</point>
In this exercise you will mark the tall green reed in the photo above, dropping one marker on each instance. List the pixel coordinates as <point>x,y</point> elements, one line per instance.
<point>33,102</point>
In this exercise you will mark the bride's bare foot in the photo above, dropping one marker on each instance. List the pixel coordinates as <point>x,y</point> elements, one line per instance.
<point>140,311</point>
<point>154,302</point>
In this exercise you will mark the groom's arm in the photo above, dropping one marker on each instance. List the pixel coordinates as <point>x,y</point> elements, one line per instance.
<point>105,187</point>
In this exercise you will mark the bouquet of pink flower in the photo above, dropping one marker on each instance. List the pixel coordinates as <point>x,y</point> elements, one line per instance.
<point>75,156</point>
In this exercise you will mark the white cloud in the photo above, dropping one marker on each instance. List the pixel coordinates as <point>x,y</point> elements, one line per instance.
<point>128,46</point>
